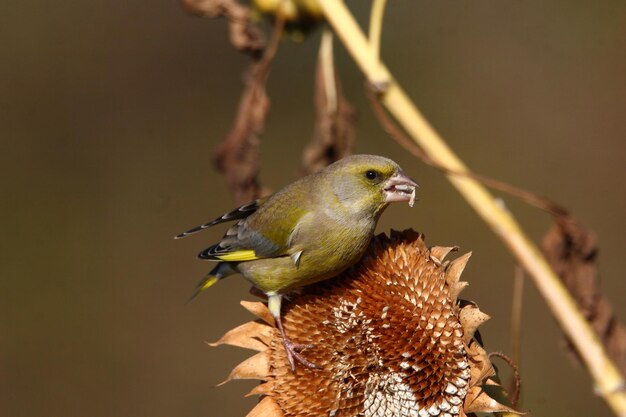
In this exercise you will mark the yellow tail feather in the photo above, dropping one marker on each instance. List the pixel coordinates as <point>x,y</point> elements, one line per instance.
<point>210,280</point>
<point>206,283</point>
<point>222,270</point>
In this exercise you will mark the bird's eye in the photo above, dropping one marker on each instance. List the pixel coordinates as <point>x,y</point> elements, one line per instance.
<point>371,174</point>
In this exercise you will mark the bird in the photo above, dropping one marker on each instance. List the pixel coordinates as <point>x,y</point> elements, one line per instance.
<point>311,230</point>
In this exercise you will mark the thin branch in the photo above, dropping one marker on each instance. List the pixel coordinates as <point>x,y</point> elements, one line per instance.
<point>403,140</point>
<point>378,78</point>
<point>327,68</point>
<point>609,382</point>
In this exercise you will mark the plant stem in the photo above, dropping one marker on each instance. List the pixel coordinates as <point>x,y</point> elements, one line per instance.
<point>327,63</point>
<point>609,383</point>
<point>376,25</point>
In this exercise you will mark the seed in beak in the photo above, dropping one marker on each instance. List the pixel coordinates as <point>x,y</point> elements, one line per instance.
<point>400,188</point>
<point>406,188</point>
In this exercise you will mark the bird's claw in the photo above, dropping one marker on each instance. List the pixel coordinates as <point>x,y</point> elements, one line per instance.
<point>292,354</point>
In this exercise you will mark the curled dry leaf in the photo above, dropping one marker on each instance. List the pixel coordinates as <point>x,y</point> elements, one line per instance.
<point>572,250</point>
<point>388,341</point>
<point>335,118</point>
<point>238,155</point>
<point>244,35</point>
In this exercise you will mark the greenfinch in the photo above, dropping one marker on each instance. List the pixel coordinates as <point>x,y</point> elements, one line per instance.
<point>309,231</point>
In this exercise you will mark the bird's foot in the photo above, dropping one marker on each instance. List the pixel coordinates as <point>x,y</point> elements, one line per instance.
<point>292,354</point>
<point>291,349</point>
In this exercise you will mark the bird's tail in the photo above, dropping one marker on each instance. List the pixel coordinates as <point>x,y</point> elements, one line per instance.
<point>222,270</point>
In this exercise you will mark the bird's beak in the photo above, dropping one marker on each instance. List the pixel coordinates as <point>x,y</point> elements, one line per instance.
<point>399,188</point>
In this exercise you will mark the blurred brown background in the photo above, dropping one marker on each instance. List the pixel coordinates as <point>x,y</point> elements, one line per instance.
<point>109,112</point>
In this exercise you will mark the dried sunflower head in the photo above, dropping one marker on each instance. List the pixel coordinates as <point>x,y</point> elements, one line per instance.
<point>391,339</point>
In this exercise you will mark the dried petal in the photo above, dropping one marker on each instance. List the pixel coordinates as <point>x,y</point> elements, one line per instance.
<point>438,253</point>
<point>256,367</point>
<point>266,408</point>
<point>456,268</point>
<point>258,309</point>
<point>239,336</point>
<point>471,318</point>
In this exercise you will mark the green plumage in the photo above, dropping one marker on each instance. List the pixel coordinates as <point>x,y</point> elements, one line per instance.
<point>311,230</point>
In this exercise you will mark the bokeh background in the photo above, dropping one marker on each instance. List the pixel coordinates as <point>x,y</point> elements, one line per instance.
<point>109,112</point>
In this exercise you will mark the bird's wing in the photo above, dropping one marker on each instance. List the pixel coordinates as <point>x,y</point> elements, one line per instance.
<point>239,213</point>
<point>240,244</point>
<point>263,236</point>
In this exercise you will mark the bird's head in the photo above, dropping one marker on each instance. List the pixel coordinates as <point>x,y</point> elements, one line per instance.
<point>368,183</point>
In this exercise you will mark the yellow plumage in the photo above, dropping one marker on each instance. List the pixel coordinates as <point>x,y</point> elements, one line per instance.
<point>238,256</point>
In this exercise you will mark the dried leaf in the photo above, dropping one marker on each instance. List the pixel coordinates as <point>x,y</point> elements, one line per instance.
<point>572,251</point>
<point>335,118</point>
<point>244,35</point>
<point>238,155</point>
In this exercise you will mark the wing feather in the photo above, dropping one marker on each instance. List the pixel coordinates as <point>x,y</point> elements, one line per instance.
<point>241,244</point>
<point>264,233</point>
<point>239,213</point>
